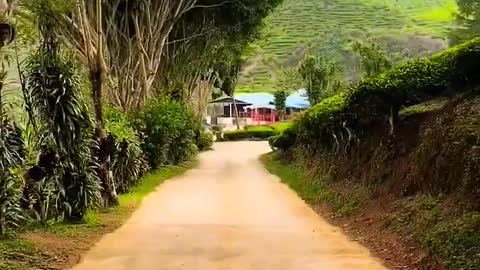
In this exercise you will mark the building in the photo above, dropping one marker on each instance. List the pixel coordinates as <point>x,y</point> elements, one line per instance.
<point>253,109</point>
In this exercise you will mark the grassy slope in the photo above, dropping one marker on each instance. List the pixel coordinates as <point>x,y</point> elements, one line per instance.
<point>327,28</point>
<point>423,224</point>
<point>61,245</point>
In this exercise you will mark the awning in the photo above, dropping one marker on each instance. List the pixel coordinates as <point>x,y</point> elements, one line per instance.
<point>253,107</point>
<point>228,100</point>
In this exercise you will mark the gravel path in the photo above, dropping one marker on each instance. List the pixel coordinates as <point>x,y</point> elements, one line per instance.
<point>227,214</point>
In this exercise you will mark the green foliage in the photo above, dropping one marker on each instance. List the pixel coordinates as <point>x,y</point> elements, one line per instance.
<point>373,59</point>
<point>280,99</point>
<point>11,158</point>
<point>283,140</point>
<point>128,163</point>
<point>455,241</point>
<point>452,237</point>
<point>118,124</point>
<point>468,17</point>
<point>11,148</point>
<point>332,122</point>
<point>318,78</point>
<point>311,189</point>
<point>169,132</point>
<point>410,28</point>
<point>70,186</point>
<point>250,133</point>
<point>204,140</point>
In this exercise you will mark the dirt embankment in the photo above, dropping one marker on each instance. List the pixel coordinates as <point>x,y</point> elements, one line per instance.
<point>413,199</point>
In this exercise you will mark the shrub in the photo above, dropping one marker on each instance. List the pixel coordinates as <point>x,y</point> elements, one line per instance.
<point>334,120</point>
<point>11,145</point>
<point>204,140</point>
<point>128,163</point>
<point>257,133</point>
<point>284,140</point>
<point>65,130</point>
<point>169,132</point>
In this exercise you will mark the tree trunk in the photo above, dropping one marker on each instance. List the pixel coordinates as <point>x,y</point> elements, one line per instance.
<point>235,109</point>
<point>96,83</point>
<point>393,118</point>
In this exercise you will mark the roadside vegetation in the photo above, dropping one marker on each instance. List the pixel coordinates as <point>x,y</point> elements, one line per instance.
<point>61,245</point>
<point>107,102</point>
<point>396,154</point>
<point>260,132</point>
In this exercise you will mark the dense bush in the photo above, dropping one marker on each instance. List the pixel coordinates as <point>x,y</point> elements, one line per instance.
<point>250,133</point>
<point>129,163</point>
<point>334,121</point>
<point>11,144</point>
<point>282,140</point>
<point>204,139</point>
<point>69,185</point>
<point>169,131</point>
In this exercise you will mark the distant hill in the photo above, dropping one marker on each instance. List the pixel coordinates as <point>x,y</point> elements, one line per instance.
<point>405,28</point>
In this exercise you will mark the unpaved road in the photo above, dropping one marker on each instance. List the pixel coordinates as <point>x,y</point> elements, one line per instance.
<point>227,214</point>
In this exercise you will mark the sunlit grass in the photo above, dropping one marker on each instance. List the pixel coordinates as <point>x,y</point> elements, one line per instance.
<point>440,14</point>
<point>95,219</point>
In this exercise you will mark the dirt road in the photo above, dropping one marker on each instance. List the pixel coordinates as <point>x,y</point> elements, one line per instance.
<point>227,214</point>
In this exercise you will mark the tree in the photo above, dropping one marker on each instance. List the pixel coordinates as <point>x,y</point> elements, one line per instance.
<point>373,59</point>
<point>230,78</point>
<point>280,99</point>
<point>318,78</point>
<point>468,17</point>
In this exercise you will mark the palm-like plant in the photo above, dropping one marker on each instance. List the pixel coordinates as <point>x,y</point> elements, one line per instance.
<point>11,148</point>
<point>65,128</point>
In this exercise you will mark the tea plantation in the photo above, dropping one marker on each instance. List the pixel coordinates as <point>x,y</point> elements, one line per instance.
<point>405,28</point>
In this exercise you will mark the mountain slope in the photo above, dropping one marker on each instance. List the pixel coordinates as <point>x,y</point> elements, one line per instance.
<point>405,28</point>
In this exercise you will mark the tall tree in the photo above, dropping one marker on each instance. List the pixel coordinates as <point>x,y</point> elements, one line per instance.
<point>373,59</point>
<point>468,18</point>
<point>318,77</point>
<point>229,73</point>
<point>280,102</point>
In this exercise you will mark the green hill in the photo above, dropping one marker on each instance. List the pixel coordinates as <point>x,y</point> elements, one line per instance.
<point>405,28</point>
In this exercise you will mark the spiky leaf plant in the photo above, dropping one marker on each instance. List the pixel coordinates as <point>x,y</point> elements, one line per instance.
<point>66,129</point>
<point>11,148</point>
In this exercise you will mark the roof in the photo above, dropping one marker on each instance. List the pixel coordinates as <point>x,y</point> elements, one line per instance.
<point>272,107</point>
<point>229,100</point>
<point>296,100</point>
<point>257,99</point>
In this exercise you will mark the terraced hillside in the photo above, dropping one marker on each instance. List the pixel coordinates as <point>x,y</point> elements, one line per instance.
<point>405,28</point>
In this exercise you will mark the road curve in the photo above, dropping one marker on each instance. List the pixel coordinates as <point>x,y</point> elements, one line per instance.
<point>227,214</point>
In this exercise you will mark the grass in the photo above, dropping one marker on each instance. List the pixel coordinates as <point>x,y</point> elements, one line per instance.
<point>17,254</point>
<point>327,28</point>
<point>312,190</point>
<point>281,126</point>
<point>257,132</point>
<point>426,107</point>
<point>128,203</point>
<point>23,253</point>
<point>453,237</point>
<point>435,224</point>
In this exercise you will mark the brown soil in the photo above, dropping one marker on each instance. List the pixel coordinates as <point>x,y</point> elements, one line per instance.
<point>367,227</point>
<point>63,250</point>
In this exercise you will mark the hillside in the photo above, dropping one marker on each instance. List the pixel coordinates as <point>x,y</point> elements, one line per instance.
<point>405,28</point>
